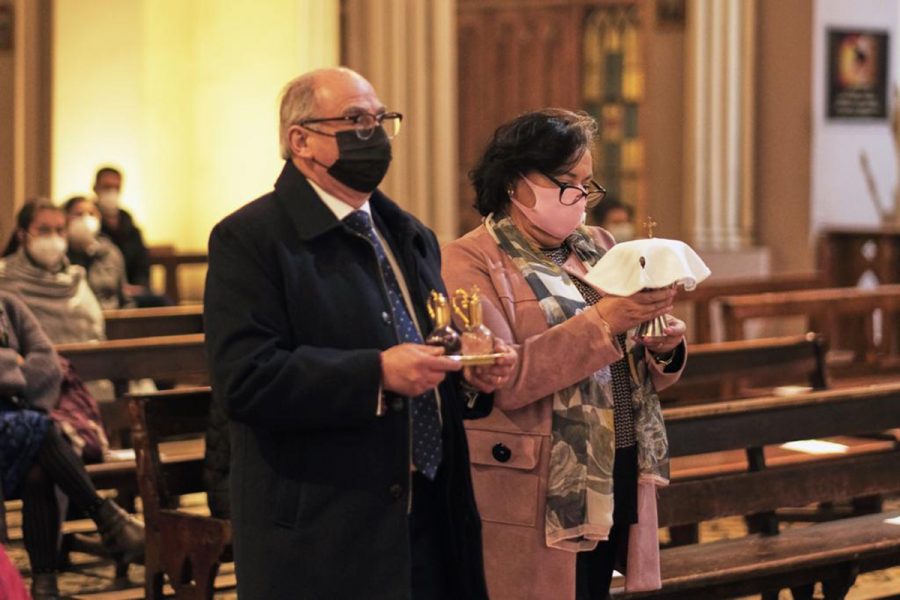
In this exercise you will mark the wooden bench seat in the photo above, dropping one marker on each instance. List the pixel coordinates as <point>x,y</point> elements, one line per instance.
<point>729,568</point>
<point>736,461</point>
<point>798,556</point>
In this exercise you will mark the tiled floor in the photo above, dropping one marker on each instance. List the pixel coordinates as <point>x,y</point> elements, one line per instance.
<point>90,575</point>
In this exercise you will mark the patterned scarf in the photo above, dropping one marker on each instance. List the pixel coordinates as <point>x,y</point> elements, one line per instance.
<point>580,489</point>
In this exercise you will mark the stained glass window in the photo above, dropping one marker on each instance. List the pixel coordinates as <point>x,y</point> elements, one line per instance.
<point>613,88</point>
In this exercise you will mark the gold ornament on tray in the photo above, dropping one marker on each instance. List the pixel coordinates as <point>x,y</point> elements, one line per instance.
<point>476,343</point>
<point>443,335</point>
<point>476,338</point>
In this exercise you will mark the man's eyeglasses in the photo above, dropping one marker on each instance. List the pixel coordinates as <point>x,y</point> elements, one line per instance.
<point>363,124</point>
<point>571,193</point>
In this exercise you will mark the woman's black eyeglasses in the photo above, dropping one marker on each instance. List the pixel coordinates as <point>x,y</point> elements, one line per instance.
<point>571,193</point>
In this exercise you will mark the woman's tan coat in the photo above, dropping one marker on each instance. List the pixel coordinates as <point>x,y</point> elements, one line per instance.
<point>511,495</point>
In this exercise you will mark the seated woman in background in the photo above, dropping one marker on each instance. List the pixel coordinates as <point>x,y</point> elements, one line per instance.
<point>565,468</point>
<point>35,457</point>
<point>56,291</point>
<point>95,252</point>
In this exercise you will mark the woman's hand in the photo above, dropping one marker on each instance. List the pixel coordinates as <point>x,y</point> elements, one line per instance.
<point>490,378</point>
<point>663,344</point>
<point>625,312</point>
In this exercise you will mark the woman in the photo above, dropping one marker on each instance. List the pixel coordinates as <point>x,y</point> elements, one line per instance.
<point>34,456</point>
<point>565,467</point>
<point>94,252</point>
<point>56,291</point>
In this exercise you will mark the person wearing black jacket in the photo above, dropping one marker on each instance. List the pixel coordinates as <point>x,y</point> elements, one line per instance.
<point>349,466</point>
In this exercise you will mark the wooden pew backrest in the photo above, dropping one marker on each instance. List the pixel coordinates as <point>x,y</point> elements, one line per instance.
<point>727,370</point>
<point>759,422</point>
<point>174,357</point>
<point>126,323</point>
<point>702,298</point>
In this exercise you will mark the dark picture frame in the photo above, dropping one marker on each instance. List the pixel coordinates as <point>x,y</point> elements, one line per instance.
<point>857,74</point>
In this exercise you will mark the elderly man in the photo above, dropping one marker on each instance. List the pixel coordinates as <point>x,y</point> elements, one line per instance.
<point>350,475</point>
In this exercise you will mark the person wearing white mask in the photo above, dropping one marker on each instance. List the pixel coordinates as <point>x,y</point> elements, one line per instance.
<point>118,225</point>
<point>95,252</point>
<point>566,466</point>
<point>56,291</point>
<point>616,217</point>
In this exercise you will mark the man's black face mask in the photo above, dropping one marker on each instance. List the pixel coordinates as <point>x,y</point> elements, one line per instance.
<point>361,164</point>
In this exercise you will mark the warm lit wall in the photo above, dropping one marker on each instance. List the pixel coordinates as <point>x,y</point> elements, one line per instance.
<point>181,95</point>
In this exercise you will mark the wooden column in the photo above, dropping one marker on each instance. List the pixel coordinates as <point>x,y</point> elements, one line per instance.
<point>25,110</point>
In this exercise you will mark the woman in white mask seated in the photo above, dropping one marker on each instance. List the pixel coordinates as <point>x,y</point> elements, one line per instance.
<point>56,291</point>
<point>566,466</point>
<point>95,252</point>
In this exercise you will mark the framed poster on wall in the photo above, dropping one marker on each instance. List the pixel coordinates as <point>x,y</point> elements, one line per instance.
<point>857,74</point>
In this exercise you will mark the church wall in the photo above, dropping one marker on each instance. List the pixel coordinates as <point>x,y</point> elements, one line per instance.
<point>839,192</point>
<point>181,95</point>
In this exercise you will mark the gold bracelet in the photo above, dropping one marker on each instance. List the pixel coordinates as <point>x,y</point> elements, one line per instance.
<point>665,362</point>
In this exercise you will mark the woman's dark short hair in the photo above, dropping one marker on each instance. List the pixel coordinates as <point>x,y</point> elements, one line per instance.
<point>24,220</point>
<point>551,140</point>
<point>72,202</point>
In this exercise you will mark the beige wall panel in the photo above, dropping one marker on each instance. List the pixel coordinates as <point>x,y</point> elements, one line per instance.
<point>783,142</point>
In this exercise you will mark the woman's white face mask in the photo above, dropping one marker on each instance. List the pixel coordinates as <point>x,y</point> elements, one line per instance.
<point>47,250</point>
<point>83,230</point>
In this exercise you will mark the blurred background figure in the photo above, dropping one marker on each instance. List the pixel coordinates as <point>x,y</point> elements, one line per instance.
<point>118,225</point>
<point>616,217</point>
<point>99,256</point>
<point>55,290</point>
<point>35,457</point>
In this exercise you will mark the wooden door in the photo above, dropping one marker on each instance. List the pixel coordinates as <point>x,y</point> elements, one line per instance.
<point>514,56</point>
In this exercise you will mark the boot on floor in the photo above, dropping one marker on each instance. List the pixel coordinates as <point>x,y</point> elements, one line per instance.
<point>44,586</point>
<point>122,534</point>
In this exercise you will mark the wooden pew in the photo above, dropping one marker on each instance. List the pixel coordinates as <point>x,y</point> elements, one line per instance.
<point>166,257</point>
<point>727,370</point>
<point>184,548</point>
<point>128,323</point>
<point>825,308</point>
<point>179,358</point>
<point>797,557</point>
<point>703,298</point>
<point>176,359</point>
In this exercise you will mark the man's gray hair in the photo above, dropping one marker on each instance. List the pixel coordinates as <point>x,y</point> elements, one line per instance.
<point>298,102</point>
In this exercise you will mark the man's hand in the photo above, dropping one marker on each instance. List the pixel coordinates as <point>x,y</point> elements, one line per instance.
<point>413,369</point>
<point>490,378</point>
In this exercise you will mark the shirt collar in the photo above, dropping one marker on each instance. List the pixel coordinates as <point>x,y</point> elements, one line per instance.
<point>340,208</point>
